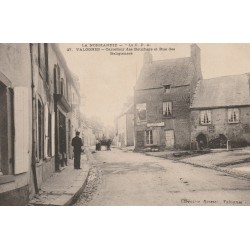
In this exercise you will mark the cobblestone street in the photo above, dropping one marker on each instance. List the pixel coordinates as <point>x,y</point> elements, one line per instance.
<point>127,178</point>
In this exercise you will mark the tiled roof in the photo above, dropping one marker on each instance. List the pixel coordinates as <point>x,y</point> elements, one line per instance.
<point>176,72</point>
<point>222,91</point>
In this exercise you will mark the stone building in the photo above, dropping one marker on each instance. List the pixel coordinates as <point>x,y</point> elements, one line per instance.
<point>220,111</point>
<point>162,101</point>
<point>16,154</point>
<point>35,89</point>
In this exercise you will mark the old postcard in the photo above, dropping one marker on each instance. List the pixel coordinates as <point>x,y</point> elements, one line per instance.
<point>124,124</point>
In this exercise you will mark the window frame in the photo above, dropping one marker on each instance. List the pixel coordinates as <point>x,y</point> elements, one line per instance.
<point>201,117</point>
<point>171,107</point>
<point>150,137</point>
<point>234,121</point>
<point>167,88</point>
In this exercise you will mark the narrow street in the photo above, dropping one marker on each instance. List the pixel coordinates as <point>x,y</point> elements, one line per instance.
<point>126,178</point>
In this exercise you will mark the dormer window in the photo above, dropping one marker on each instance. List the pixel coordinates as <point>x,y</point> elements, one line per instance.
<point>167,88</point>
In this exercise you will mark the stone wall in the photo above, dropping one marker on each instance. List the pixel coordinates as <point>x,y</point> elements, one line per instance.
<point>220,125</point>
<point>179,121</point>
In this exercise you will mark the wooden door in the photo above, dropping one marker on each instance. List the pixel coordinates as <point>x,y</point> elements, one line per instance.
<point>169,135</point>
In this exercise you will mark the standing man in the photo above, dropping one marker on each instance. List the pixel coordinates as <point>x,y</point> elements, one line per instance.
<point>77,145</point>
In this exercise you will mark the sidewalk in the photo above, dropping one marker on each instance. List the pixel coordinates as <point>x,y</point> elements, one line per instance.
<point>63,188</point>
<point>235,162</point>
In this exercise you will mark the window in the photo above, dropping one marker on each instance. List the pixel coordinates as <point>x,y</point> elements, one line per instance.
<point>167,88</point>
<point>233,115</point>
<point>205,117</point>
<point>167,109</point>
<point>149,137</point>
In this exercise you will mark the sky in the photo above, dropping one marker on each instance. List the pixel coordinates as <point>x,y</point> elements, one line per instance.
<point>107,80</point>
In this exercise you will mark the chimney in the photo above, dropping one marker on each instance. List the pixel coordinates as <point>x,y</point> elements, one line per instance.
<point>148,58</point>
<point>196,58</point>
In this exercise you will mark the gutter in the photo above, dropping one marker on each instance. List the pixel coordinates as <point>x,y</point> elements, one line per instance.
<point>33,123</point>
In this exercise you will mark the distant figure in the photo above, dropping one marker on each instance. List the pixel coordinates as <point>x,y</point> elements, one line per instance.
<point>109,144</point>
<point>77,145</point>
<point>98,145</point>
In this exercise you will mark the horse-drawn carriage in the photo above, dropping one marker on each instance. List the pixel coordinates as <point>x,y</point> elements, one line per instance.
<point>103,142</point>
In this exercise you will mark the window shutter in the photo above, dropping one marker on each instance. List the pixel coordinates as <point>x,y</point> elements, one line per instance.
<point>46,130</point>
<point>53,134</point>
<point>22,133</point>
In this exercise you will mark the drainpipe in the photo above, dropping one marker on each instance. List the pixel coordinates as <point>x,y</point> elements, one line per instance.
<point>33,123</point>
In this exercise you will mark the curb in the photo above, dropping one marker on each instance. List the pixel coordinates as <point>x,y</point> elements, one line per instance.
<point>228,172</point>
<point>70,196</point>
<point>225,171</point>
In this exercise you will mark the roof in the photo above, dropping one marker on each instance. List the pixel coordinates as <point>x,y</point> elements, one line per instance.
<point>222,91</point>
<point>176,72</point>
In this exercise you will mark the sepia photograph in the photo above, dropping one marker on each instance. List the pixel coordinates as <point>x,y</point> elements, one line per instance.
<point>124,124</point>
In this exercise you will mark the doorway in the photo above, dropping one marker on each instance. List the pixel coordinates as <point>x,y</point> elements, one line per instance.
<point>6,130</point>
<point>169,137</point>
<point>62,139</point>
<point>202,141</point>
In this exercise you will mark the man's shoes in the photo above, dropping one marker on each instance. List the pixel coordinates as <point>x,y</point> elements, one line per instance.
<point>77,168</point>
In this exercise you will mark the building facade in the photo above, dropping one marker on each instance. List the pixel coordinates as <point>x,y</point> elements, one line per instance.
<point>16,154</point>
<point>162,98</point>
<point>220,112</point>
<point>125,128</point>
<point>75,118</point>
<point>35,89</point>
